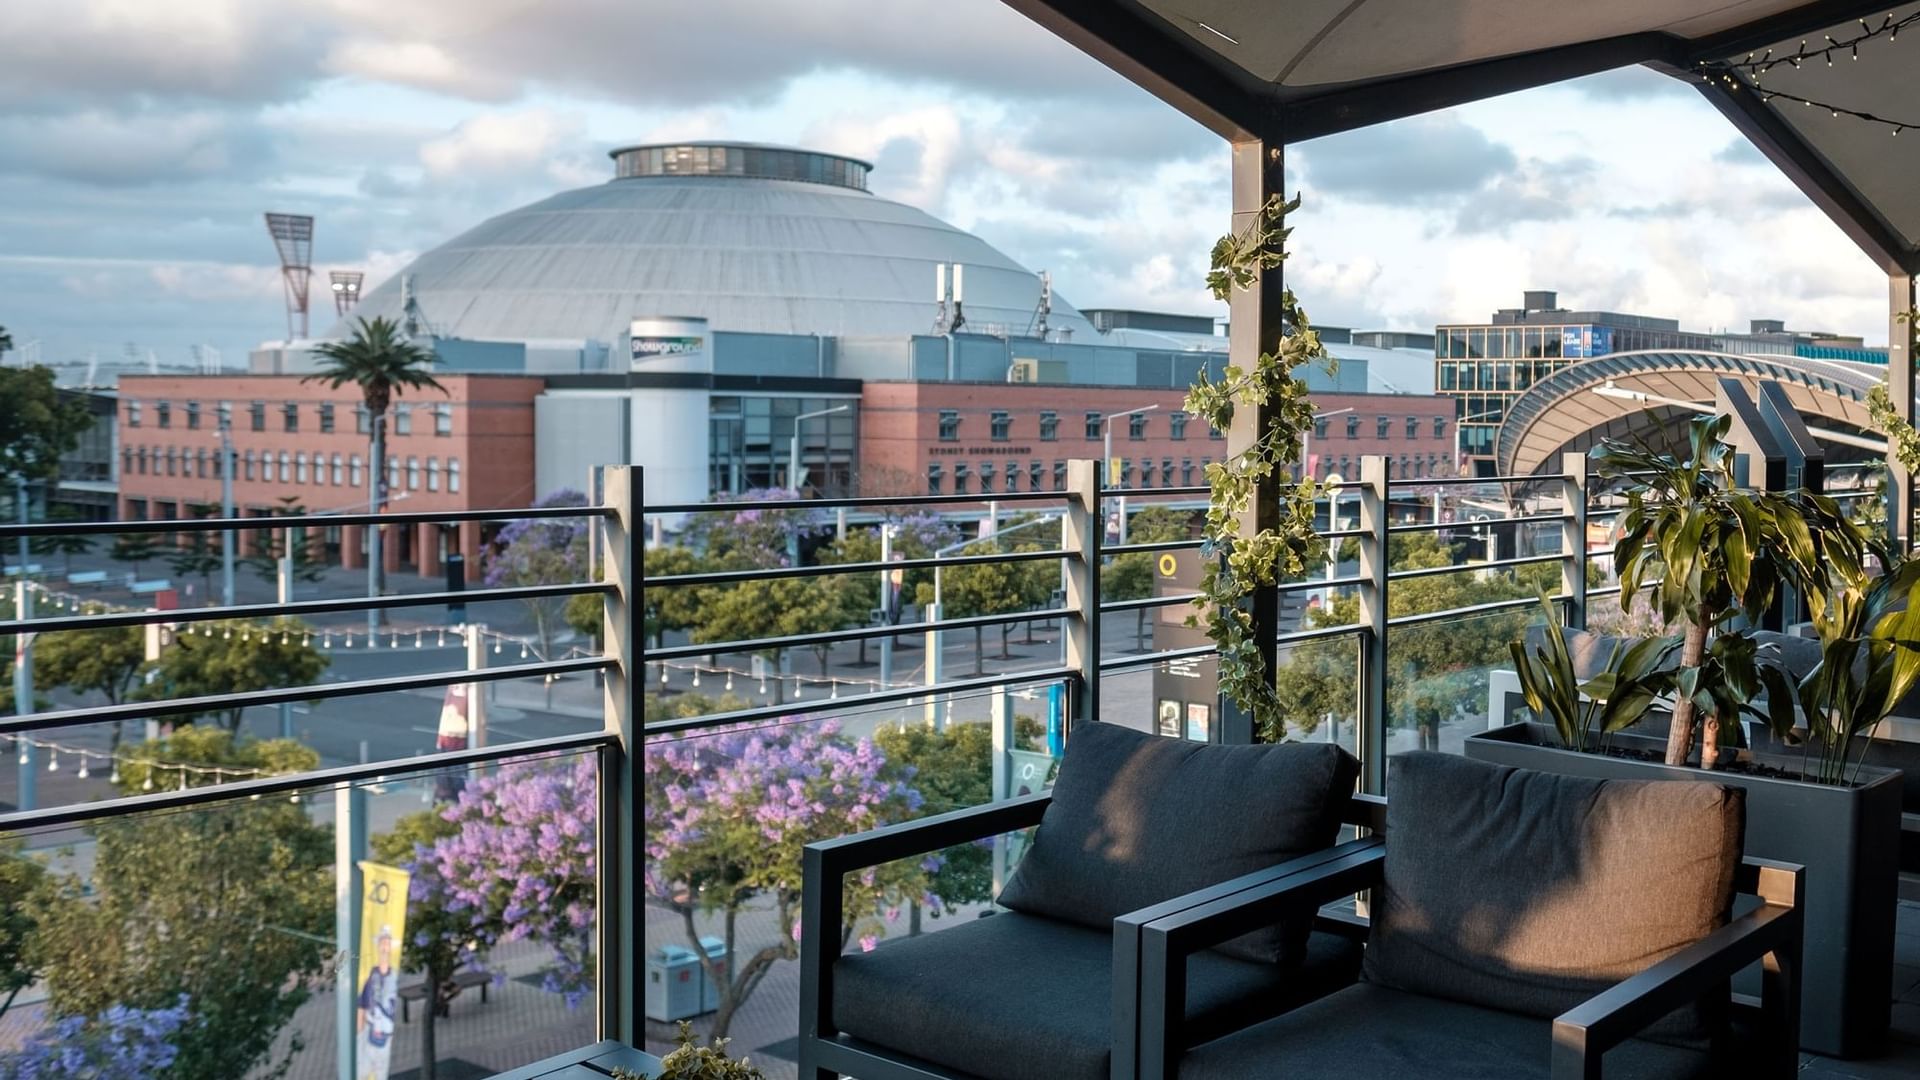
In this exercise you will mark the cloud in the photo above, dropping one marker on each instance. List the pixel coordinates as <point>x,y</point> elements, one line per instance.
<point>1534,191</point>
<point>425,65</point>
<point>1633,84</point>
<point>1741,151</point>
<point>1425,159</point>
<point>508,143</point>
<point>136,148</point>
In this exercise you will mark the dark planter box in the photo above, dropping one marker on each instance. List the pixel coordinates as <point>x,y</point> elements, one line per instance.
<point>1848,838</point>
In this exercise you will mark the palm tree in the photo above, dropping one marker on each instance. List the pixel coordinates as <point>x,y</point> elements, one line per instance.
<point>6,341</point>
<point>382,362</point>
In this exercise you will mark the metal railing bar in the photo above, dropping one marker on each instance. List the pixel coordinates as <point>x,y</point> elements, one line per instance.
<point>1497,564</point>
<point>1157,545</point>
<point>287,695</point>
<point>728,577</point>
<point>1459,481</point>
<point>1191,489</point>
<point>303,521</point>
<point>371,772</point>
<point>1322,583</point>
<point>855,502</point>
<point>1342,534</point>
<point>1318,633</point>
<point>829,637</point>
<point>1128,663</point>
<point>1524,519</point>
<point>113,619</point>
<point>1471,610</point>
<point>856,701</point>
<point>1149,602</point>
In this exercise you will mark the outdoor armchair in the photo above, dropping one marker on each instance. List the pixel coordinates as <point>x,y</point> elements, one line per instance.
<point>1509,940</point>
<point>1047,990</point>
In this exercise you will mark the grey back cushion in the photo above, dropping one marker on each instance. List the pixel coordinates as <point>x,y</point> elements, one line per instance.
<point>1531,892</point>
<point>1137,819</point>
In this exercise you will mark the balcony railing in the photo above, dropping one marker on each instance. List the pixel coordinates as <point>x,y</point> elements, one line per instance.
<point>639,904</point>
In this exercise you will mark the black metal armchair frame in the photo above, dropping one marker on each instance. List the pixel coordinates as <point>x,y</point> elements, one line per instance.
<point>825,1052</point>
<point>1770,934</point>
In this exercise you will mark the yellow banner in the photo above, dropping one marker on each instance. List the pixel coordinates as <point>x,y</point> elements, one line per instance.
<point>383,929</point>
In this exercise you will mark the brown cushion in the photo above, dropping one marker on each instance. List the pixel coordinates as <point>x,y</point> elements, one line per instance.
<point>1531,892</point>
<point>1137,819</point>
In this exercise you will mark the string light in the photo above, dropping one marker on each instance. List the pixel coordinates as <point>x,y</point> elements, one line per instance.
<point>1756,66</point>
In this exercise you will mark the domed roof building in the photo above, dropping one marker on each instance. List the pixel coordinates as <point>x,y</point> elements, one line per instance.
<point>752,238</point>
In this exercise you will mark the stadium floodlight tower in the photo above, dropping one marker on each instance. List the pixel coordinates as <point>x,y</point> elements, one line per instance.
<point>293,239</point>
<point>346,289</point>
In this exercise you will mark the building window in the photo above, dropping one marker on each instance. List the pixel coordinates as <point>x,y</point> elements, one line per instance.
<point>1215,433</point>
<point>986,477</point>
<point>443,419</point>
<point>1353,427</point>
<point>433,474</point>
<point>403,419</point>
<point>286,467</point>
<point>257,415</point>
<point>959,478</point>
<point>1137,427</point>
<point>1093,425</point>
<point>1012,473</point>
<point>250,460</point>
<point>336,477</point>
<point>300,467</point>
<point>200,463</point>
<point>140,461</point>
<point>1059,476</point>
<point>1177,422</point>
<point>1413,427</point>
<point>1036,476</point>
<point>1049,425</point>
<point>193,416</point>
<point>225,414</point>
<point>290,417</point>
<point>1186,472</point>
<point>453,475</point>
<point>1166,472</point>
<point>163,414</point>
<point>1320,427</point>
<point>933,478</point>
<point>393,474</point>
<point>362,419</point>
<point>950,431</point>
<point>1439,427</point>
<point>1380,425</point>
<point>133,414</point>
<point>413,474</point>
<point>326,417</point>
<point>353,470</point>
<point>1126,472</point>
<point>173,461</point>
<point>1002,425</point>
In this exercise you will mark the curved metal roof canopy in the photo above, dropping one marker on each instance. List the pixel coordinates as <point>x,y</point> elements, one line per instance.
<point>1287,70</point>
<point>1562,413</point>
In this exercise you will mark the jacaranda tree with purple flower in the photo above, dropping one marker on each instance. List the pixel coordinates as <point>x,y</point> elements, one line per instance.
<point>542,551</point>
<point>520,863</point>
<point>118,1044</point>
<point>727,814</point>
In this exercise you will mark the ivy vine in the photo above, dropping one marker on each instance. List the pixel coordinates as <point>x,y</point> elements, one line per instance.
<point>1239,563</point>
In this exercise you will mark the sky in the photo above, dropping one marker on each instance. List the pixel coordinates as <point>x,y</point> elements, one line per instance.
<point>140,142</point>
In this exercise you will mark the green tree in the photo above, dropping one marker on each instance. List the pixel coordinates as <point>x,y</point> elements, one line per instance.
<point>66,544</point>
<point>671,608</point>
<point>36,424</point>
<point>383,362</point>
<point>440,942</point>
<point>689,704</point>
<point>199,556</point>
<point>134,549</point>
<point>771,607</point>
<point>915,536</point>
<point>541,551</point>
<point>20,877</point>
<point>231,906</point>
<point>995,588</point>
<point>104,662</point>
<point>232,658</point>
<point>6,342</point>
<point>205,747</point>
<point>309,564</point>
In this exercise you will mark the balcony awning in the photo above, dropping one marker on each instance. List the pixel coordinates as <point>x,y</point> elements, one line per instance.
<point>1288,70</point>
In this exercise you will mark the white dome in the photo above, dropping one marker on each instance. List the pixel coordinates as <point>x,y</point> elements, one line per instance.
<point>747,253</point>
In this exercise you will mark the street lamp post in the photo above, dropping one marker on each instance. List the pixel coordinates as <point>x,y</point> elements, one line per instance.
<point>226,506</point>
<point>933,666</point>
<point>1306,445</point>
<point>1106,423</point>
<point>793,446</point>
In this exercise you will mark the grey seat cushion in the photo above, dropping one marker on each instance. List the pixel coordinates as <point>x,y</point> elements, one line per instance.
<point>1019,997</point>
<point>1371,1032</point>
<point>1530,892</point>
<point>1137,819</point>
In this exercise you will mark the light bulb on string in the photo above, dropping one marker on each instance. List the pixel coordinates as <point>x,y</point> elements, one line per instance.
<point>306,639</point>
<point>393,640</point>
<point>663,674</point>
<point>696,676</point>
<point>283,637</point>
<point>496,646</point>
<point>83,773</point>
<point>53,761</point>
<point>228,636</point>
<point>834,693</point>
<point>443,640</point>
<point>524,651</point>
<point>763,687</point>
<point>148,785</point>
<point>729,682</point>
<point>416,639</point>
<point>113,776</point>
<point>349,639</point>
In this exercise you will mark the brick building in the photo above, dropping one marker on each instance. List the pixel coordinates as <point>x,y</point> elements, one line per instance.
<point>472,448</point>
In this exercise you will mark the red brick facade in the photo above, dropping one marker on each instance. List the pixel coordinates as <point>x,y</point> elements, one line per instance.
<point>469,449</point>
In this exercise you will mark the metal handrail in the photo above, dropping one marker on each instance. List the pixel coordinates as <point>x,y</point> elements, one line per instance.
<point>1155,545</point>
<point>1471,610</point>
<point>287,695</point>
<point>1311,584</point>
<point>1430,526</point>
<point>1165,656</point>
<point>1150,602</point>
<point>302,521</point>
<point>345,775</point>
<point>728,577</point>
<point>856,701</point>
<point>829,637</point>
<point>1495,564</point>
<point>114,619</point>
<point>854,502</point>
<point>1461,481</point>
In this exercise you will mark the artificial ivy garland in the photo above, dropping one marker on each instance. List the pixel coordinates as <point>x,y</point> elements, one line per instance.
<point>1238,564</point>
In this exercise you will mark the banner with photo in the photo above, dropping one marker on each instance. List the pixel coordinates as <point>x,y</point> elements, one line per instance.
<point>383,929</point>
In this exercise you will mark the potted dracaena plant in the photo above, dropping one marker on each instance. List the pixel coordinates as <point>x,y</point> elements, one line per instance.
<point>1716,559</point>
